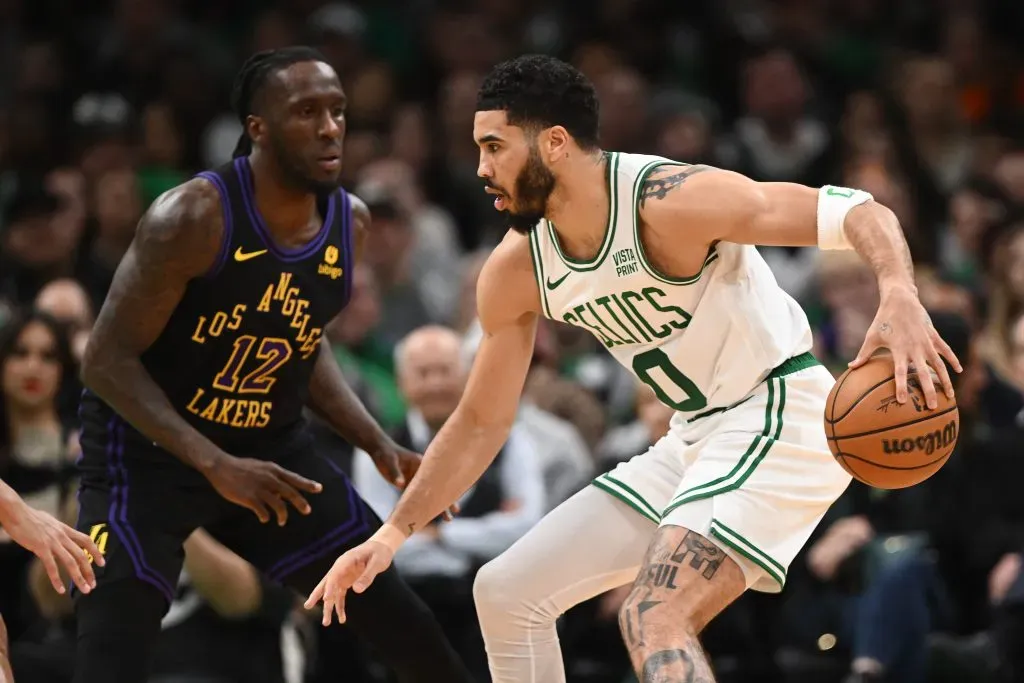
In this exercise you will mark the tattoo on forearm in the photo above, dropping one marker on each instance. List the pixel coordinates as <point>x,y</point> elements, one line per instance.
<point>659,187</point>
<point>705,557</point>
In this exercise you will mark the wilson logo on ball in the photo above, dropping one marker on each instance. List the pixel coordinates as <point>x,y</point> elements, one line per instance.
<point>929,443</point>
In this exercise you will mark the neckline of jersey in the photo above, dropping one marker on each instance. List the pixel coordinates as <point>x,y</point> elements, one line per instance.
<point>611,177</point>
<point>244,171</point>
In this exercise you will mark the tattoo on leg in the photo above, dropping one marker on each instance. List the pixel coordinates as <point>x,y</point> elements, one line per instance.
<point>686,665</point>
<point>704,556</point>
<point>658,188</point>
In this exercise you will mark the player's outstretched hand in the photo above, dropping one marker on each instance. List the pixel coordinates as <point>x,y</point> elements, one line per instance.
<point>903,326</point>
<point>56,545</point>
<point>399,465</point>
<point>356,569</point>
<point>259,485</point>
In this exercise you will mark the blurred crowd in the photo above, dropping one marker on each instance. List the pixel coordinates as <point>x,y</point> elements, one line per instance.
<point>105,104</point>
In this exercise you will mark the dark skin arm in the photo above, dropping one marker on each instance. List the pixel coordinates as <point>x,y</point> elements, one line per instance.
<point>331,398</point>
<point>177,240</point>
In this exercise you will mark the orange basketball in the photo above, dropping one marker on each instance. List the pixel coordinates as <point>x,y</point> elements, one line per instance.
<point>880,442</point>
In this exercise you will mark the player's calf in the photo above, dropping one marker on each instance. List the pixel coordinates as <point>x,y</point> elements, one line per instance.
<point>686,580</point>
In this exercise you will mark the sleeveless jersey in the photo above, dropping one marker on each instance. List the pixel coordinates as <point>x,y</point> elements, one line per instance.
<point>236,356</point>
<point>701,342</point>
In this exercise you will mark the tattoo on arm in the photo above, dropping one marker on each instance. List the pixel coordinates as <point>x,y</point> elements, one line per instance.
<point>177,240</point>
<point>660,183</point>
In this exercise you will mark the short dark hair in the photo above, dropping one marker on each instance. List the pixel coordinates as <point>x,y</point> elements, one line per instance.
<point>542,91</point>
<point>253,76</point>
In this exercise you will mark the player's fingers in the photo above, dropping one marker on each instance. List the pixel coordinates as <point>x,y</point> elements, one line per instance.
<point>259,509</point>
<point>298,481</point>
<point>65,558</point>
<point>81,560</point>
<point>325,619</point>
<point>900,375</point>
<point>366,578</point>
<point>317,593</point>
<point>85,543</point>
<point>291,495</point>
<point>869,346</point>
<point>50,565</point>
<point>339,606</point>
<point>277,505</point>
<point>924,376</point>
<point>946,352</point>
<point>393,470</point>
<point>943,373</point>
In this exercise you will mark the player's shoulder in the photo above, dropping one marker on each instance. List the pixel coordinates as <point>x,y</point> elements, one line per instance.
<point>507,287</point>
<point>185,223</point>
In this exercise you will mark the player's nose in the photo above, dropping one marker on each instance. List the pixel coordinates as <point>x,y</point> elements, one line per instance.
<point>330,128</point>
<point>484,170</point>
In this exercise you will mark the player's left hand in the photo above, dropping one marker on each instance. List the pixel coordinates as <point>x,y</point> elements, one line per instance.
<point>356,569</point>
<point>903,326</point>
<point>399,465</point>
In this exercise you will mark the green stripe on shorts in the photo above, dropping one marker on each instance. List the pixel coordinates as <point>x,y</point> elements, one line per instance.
<point>749,551</point>
<point>749,461</point>
<point>628,496</point>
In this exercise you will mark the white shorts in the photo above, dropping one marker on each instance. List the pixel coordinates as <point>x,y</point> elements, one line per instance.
<point>756,478</point>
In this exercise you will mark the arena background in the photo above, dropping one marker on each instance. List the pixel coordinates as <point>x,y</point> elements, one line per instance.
<point>104,105</point>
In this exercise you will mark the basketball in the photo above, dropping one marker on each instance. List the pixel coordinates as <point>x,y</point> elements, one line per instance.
<point>880,442</point>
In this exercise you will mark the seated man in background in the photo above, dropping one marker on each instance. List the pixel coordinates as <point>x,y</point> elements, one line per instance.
<point>441,561</point>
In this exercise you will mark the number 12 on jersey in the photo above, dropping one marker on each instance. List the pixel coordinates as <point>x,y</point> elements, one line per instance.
<point>273,351</point>
<point>670,385</point>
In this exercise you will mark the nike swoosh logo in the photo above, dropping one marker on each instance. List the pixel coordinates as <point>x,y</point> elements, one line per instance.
<point>241,256</point>
<point>554,285</point>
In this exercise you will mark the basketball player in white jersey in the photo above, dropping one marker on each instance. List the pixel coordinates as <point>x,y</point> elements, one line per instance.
<point>657,259</point>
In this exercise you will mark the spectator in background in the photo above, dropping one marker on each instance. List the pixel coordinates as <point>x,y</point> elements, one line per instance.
<point>440,561</point>
<point>35,245</point>
<point>67,302</point>
<point>389,251</point>
<point>35,361</point>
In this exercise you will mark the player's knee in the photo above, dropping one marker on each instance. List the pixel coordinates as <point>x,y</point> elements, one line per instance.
<point>500,589</point>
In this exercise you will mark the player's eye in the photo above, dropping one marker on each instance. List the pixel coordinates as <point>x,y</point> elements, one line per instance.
<point>492,147</point>
<point>338,112</point>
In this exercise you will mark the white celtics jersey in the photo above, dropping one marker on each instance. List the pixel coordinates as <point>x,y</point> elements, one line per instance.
<point>700,342</point>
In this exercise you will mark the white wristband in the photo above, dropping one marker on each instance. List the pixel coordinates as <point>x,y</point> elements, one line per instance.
<point>833,205</point>
<point>390,536</point>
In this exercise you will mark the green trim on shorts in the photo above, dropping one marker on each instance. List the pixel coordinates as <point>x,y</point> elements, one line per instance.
<point>795,364</point>
<point>787,367</point>
<point>628,496</point>
<point>748,462</point>
<point>749,551</point>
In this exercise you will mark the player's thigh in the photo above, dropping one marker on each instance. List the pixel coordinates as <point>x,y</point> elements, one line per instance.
<point>762,478</point>
<point>300,552</point>
<point>139,506</point>
<point>646,482</point>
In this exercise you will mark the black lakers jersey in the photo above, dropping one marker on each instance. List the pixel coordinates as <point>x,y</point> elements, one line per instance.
<point>236,355</point>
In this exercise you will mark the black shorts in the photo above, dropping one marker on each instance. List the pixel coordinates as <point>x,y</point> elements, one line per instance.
<point>140,504</point>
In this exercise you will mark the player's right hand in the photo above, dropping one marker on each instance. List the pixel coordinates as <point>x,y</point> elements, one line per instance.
<point>56,545</point>
<point>262,486</point>
<point>356,569</point>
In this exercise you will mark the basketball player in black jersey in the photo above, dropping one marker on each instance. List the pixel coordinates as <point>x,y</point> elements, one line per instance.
<point>205,353</point>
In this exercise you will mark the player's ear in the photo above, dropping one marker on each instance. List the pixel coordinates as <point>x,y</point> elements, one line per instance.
<point>256,127</point>
<point>556,143</point>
